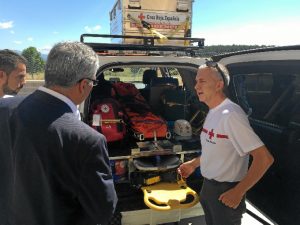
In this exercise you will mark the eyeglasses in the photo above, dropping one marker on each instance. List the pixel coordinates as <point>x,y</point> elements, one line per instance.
<point>213,64</point>
<point>95,82</point>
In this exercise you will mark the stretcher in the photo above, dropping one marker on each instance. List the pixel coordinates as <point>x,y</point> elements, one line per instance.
<point>162,186</point>
<point>168,196</point>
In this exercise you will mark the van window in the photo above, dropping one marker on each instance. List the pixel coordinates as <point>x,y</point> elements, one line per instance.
<point>126,74</point>
<point>268,96</point>
<point>135,74</point>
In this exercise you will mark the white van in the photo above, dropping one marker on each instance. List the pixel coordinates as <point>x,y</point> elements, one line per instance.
<point>264,82</point>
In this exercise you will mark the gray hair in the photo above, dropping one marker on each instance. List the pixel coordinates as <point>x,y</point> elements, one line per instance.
<point>220,69</point>
<point>9,60</point>
<point>68,63</point>
<point>221,72</point>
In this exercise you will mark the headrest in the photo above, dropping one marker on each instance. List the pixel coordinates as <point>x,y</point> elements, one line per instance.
<point>148,76</point>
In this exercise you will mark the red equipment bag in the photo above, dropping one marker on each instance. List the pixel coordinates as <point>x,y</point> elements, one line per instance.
<point>147,125</point>
<point>138,115</point>
<point>107,118</point>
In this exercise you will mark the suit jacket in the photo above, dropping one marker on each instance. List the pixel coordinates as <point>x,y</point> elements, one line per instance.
<point>54,169</point>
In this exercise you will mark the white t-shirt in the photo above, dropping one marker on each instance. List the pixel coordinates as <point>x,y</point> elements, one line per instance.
<point>226,140</point>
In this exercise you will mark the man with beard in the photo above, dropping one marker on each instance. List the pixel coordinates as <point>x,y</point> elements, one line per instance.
<point>12,73</point>
<point>54,169</point>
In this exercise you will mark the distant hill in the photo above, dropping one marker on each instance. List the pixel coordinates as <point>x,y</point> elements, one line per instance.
<point>219,49</point>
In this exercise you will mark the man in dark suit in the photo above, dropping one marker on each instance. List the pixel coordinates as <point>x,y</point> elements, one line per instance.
<point>54,169</point>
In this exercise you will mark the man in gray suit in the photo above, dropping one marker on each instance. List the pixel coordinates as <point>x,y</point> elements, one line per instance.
<point>54,169</point>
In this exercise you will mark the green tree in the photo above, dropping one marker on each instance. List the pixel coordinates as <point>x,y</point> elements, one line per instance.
<point>35,62</point>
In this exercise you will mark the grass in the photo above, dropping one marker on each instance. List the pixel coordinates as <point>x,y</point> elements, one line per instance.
<point>35,76</point>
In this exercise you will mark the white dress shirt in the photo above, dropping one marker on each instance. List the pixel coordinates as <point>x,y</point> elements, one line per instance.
<point>65,99</point>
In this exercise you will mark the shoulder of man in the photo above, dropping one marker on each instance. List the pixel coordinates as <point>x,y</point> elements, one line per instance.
<point>70,124</point>
<point>11,102</point>
<point>233,107</point>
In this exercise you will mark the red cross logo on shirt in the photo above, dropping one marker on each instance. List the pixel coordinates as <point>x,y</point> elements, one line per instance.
<point>141,16</point>
<point>211,133</point>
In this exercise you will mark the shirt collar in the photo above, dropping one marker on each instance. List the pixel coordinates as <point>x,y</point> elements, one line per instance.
<point>224,102</point>
<point>7,96</point>
<point>62,98</point>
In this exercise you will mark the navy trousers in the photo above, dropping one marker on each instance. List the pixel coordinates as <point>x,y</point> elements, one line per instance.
<point>216,213</point>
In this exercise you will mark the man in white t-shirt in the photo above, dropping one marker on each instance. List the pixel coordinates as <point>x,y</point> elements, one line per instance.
<point>12,73</point>
<point>227,140</point>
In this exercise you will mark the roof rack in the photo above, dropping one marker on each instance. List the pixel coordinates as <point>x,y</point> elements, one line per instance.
<point>148,43</point>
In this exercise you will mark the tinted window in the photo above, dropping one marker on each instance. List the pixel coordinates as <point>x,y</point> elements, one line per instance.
<point>272,97</point>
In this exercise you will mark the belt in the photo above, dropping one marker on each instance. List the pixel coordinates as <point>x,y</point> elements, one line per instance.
<point>220,182</point>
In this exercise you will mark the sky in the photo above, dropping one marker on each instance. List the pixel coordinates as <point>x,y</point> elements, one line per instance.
<point>41,24</point>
